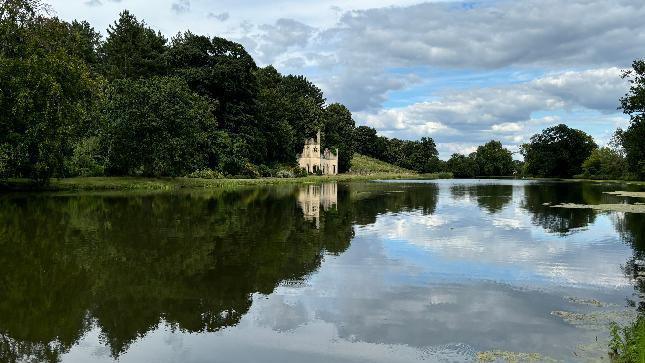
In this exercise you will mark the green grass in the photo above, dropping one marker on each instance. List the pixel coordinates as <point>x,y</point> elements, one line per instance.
<point>365,165</point>
<point>363,168</point>
<point>628,344</point>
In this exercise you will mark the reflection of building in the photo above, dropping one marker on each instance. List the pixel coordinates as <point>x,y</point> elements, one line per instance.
<point>313,159</point>
<point>314,197</point>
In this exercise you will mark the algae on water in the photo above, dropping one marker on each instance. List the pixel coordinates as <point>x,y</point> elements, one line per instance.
<point>621,193</point>
<point>597,320</point>
<point>498,355</point>
<point>628,208</point>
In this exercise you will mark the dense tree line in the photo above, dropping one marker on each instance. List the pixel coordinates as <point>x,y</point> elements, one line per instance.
<point>490,159</point>
<point>420,155</point>
<point>136,103</point>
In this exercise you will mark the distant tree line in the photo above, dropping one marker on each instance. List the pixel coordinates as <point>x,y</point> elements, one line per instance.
<point>558,151</point>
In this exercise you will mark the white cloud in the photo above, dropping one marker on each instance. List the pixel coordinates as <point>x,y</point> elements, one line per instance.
<point>502,112</point>
<point>507,127</point>
<point>365,53</point>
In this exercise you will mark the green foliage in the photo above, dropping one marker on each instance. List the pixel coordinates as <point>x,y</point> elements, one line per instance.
<point>86,159</point>
<point>338,133</point>
<point>206,174</point>
<point>604,163</point>
<point>462,166</point>
<point>290,109</point>
<point>284,173</point>
<point>365,165</point>
<point>132,50</point>
<point>48,93</point>
<point>420,156</point>
<point>558,151</point>
<point>627,344</point>
<point>156,127</point>
<point>633,104</point>
<point>492,159</point>
<point>369,143</point>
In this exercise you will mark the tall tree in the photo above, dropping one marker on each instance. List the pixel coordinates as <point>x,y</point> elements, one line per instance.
<point>462,166</point>
<point>492,159</point>
<point>156,127</point>
<point>338,134</point>
<point>48,94</point>
<point>557,151</point>
<point>132,50</point>
<point>633,104</point>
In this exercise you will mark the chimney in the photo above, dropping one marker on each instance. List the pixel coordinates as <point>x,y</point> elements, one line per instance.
<point>318,138</point>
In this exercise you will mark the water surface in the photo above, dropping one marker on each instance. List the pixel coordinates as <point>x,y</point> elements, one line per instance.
<point>380,271</point>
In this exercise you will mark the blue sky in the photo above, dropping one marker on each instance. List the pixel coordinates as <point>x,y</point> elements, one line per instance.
<point>462,73</point>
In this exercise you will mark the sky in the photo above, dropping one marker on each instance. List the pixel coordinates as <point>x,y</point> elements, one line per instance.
<point>460,72</point>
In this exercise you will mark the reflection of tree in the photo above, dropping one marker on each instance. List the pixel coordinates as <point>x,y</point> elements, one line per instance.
<point>492,197</point>
<point>539,197</point>
<point>631,227</point>
<point>129,263</point>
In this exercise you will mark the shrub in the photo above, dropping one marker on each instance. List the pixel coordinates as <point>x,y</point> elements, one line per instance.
<point>206,174</point>
<point>300,172</point>
<point>627,344</point>
<point>250,171</point>
<point>86,159</point>
<point>284,173</point>
<point>604,163</point>
<point>265,171</point>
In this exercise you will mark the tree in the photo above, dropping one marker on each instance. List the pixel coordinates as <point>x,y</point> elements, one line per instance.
<point>558,151</point>
<point>421,156</point>
<point>132,50</point>
<point>338,132</point>
<point>156,127</point>
<point>461,166</point>
<point>369,143</point>
<point>604,163</point>
<point>492,159</point>
<point>48,93</point>
<point>221,70</point>
<point>633,104</point>
<point>224,72</point>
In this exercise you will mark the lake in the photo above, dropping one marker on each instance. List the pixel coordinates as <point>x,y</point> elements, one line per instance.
<point>396,271</point>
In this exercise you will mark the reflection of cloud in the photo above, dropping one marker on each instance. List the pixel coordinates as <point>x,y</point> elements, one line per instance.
<point>505,246</point>
<point>373,305</point>
<point>508,223</point>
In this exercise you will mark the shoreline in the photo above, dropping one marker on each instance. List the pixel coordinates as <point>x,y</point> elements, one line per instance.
<point>169,184</point>
<point>142,183</point>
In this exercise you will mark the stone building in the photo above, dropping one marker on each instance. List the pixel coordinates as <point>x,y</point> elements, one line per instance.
<point>314,159</point>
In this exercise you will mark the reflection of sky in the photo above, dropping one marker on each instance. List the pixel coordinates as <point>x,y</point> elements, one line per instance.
<point>413,287</point>
<point>503,247</point>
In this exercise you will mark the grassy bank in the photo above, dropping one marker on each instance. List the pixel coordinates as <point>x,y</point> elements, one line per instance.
<point>129,183</point>
<point>363,168</point>
<point>628,343</point>
<point>365,165</point>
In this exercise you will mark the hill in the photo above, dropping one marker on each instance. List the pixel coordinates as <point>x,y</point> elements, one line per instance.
<point>365,165</point>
